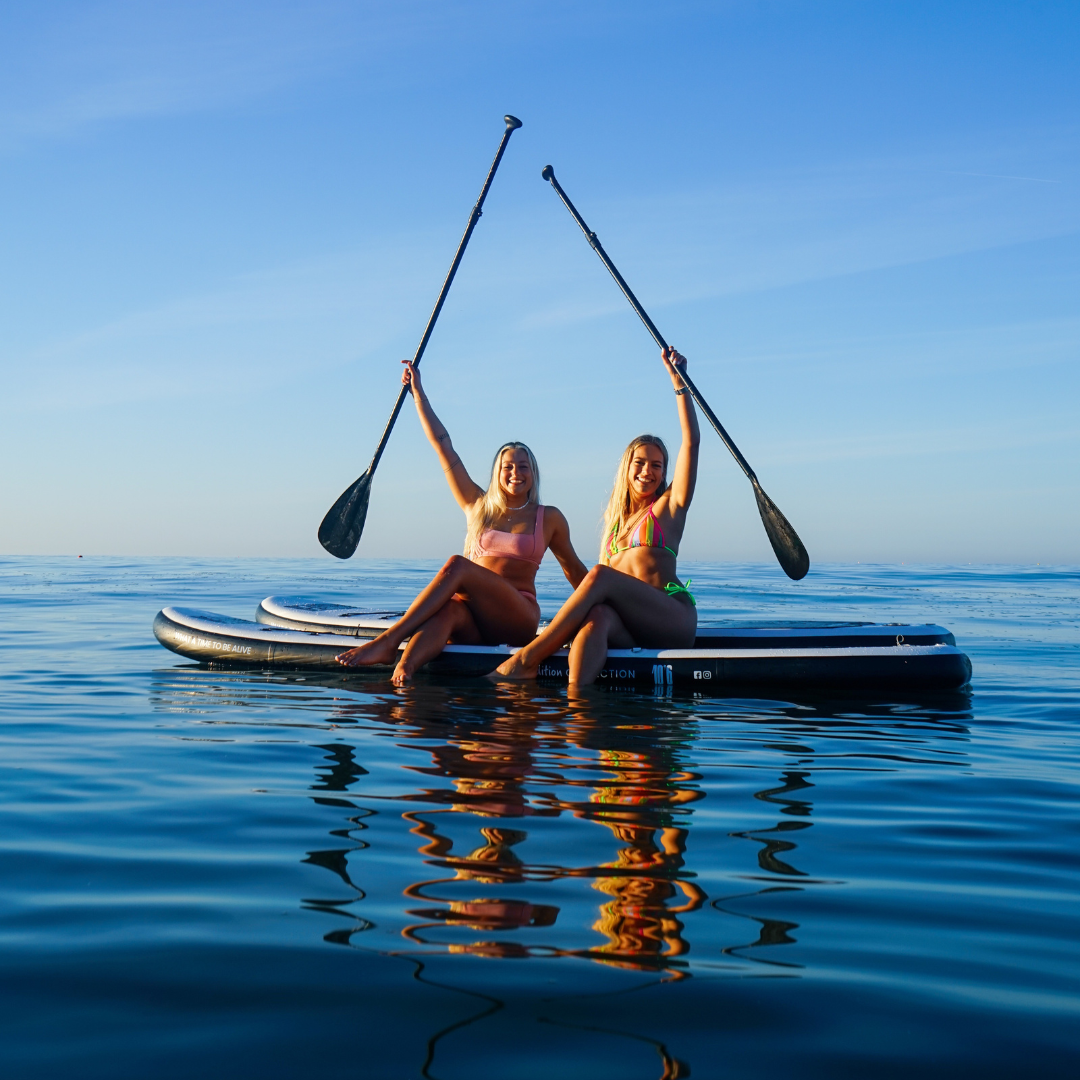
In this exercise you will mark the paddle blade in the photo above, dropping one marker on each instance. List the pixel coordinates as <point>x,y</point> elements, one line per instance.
<point>340,530</point>
<point>785,541</point>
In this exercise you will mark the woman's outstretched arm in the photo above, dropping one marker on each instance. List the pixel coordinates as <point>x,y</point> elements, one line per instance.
<point>684,477</point>
<point>572,567</point>
<point>465,489</point>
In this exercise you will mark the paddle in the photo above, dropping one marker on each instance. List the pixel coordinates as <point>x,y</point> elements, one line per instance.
<point>340,530</point>
<point>785,541</point>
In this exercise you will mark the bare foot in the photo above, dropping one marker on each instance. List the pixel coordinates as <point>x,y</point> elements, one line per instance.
<point>401,676</point>
<point>513,669</point>
<point>380,650</point>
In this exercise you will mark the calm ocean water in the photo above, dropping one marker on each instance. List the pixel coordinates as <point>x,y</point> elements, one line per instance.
<point>210,873</point>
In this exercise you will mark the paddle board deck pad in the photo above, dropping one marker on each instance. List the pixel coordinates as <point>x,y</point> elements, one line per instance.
<point>796,654</point>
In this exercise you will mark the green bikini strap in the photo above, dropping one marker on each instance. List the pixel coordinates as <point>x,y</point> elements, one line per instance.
<point>673,588</point>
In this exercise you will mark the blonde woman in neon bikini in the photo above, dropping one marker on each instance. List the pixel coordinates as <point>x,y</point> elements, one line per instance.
<point>634,597</point>
<point>488,597</point>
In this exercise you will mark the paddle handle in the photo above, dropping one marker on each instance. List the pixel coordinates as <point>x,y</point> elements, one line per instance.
<point>594,242</point>
<point>512,124</point>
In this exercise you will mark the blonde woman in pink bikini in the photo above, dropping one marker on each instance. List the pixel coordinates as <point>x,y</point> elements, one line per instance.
<point>488,595</point>
<point>634,597</point>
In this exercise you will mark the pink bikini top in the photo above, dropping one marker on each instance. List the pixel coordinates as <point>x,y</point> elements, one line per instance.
<point>529,547</point>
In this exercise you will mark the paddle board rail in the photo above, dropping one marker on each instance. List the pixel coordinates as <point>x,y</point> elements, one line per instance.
<point>298,613</point>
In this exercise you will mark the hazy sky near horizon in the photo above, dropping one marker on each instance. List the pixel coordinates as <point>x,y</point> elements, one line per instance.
<point>225,224</point>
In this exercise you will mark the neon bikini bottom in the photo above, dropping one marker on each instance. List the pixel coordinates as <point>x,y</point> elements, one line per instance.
<point>673,588</point>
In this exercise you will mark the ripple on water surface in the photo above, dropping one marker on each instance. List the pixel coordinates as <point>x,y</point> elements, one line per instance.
<point>262,874</point>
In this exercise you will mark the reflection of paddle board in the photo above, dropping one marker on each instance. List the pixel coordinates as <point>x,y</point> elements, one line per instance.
<point>295,633</point>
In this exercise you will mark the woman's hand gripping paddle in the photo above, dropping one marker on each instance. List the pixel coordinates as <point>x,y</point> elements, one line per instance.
<point>340,530</point>
<point>785,541</point>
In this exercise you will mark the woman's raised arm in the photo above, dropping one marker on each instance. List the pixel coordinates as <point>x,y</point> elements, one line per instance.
<point>465,489</point>
<point>684,477</point>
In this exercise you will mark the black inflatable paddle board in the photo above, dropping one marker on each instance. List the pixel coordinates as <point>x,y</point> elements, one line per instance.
<point>293,633</point>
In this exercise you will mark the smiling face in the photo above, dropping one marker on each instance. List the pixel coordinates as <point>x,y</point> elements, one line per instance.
<point>646,471</point>
<point>515,476</point>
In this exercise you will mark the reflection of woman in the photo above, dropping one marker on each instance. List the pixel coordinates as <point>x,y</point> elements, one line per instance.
<point>488,597</point>
<point>519,764</point>
<point>634,598</point>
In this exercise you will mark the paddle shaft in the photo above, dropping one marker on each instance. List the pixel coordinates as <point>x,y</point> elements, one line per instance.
<point>594,243</point>
<point>512,124</point>
<point>789,549</point>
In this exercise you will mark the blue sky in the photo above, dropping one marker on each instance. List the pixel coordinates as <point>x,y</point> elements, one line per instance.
<point>224,224</point>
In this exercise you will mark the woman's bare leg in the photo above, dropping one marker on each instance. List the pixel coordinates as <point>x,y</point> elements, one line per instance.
<point>498,608</point>
<point>647,614</point>
<point>453,621</point>
<point>602,630</point>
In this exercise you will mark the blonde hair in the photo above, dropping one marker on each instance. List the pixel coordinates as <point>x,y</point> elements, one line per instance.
<point>493,504</point>
<point>618,507</point>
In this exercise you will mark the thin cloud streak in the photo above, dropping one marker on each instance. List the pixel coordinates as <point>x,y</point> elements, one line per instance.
<point>118,60</point>
<point>1002,176</point>
<point>320,314</point>
<point>121,60</point>
<point>942,441</point>
<point>793,227</point>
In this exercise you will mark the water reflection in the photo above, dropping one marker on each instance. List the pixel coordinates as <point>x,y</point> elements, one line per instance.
<point>772,847</point>
<point>644,801</point>
<point>532,761</point>
<point>628,765</point>
<point>491,767</point>
<point>342,771</point>
<point>541,827</point>
<point>770,931</point>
